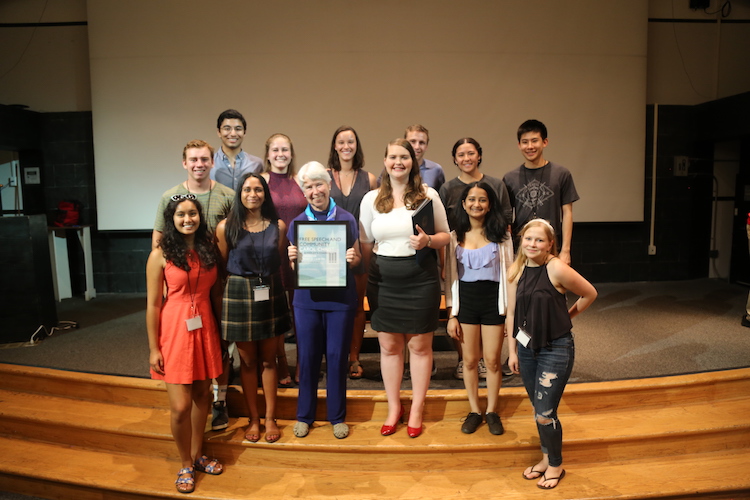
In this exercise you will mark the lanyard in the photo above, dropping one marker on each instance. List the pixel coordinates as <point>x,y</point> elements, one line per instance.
<point>190,288</point>
<point>259,257</point>
<point>331,215</point>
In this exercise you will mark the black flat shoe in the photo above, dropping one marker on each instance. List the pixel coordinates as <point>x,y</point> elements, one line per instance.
<point>494,423</point>
<point>472,421</point>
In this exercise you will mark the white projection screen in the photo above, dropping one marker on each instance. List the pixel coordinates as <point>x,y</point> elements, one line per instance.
<point>163,70</point>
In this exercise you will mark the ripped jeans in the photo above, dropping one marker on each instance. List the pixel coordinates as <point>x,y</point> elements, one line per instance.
<point>545,374</point>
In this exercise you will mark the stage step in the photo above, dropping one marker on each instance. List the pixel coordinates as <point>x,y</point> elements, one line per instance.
<point>50,471</point>
<point>73,435</point>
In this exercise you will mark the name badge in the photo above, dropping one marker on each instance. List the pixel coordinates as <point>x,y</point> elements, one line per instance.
<point>261,293</point>
<point>523,338</point>
<point>194,323</point>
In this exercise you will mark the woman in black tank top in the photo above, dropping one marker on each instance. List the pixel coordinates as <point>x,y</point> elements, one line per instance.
<point>351,182</point>
<point>541,344</point>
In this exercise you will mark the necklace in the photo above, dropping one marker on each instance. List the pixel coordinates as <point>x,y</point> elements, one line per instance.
<point>340,180</point>
<point>261,221</point>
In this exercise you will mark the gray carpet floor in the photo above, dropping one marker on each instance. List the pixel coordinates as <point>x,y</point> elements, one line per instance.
<point>633,330</point>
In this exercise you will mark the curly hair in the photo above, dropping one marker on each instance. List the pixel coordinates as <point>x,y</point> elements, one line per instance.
<point>236,219</point>
<point>495,225</point>
<point>415,192</point>
<point>173,242</point>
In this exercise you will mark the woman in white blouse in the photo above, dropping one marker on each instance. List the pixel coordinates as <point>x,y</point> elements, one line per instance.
<point>403,289</point>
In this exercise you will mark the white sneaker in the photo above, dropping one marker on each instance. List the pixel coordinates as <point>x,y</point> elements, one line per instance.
<point>482,369</point>
<point>459,373</point>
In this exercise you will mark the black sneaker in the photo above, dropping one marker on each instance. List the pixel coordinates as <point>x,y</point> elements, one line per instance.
<point>494,424</point>
<point>471,422</point>
<point>220,416</point>
<point>745,320</point>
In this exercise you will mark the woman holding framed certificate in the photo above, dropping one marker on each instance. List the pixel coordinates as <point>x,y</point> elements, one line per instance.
<point>251,241</point>
<point>403,289</point>
<point>323,248</point>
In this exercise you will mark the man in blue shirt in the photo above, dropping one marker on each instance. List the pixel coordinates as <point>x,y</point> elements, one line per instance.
<point>431,173</point>
<point>230,161</point>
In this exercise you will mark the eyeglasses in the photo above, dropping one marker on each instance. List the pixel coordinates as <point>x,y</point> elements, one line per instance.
<point>227,129</point>
<point>179,197</point>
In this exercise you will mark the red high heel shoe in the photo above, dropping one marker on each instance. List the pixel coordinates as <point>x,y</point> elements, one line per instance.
<point>414,431</point>
<point>387,430</point>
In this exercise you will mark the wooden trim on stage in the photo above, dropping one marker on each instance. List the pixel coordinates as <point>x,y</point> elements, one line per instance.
<point>78,435</point>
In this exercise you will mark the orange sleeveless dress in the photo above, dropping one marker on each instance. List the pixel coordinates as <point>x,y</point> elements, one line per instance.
<point>188,355</point>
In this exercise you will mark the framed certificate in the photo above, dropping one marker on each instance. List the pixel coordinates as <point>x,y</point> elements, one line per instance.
<point>321,247</point>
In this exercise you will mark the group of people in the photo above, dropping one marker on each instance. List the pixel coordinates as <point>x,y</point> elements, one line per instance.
<point>221,274</point>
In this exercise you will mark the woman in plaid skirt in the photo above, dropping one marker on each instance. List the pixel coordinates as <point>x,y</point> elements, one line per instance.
<point>252,241</point>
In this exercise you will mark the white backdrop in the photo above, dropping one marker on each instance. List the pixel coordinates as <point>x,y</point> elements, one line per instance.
<point>162,71</point>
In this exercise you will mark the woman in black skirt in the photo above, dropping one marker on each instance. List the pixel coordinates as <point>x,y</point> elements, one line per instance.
<point>251,241</point>
<point>403,289</point>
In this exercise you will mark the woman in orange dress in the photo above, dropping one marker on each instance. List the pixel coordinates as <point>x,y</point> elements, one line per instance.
<point>182,329</point>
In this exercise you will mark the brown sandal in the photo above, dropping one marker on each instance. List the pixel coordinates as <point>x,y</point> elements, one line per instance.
<point>270,436</point>
<point>253,438</point>
<point>356,371</point>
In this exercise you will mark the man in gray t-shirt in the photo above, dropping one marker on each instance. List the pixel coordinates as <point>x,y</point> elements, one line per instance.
<point>541,189</point>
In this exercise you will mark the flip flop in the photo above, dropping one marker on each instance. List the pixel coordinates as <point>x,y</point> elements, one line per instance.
<point>558,478</point>
<point>286,385</point>
<point>532,471</point>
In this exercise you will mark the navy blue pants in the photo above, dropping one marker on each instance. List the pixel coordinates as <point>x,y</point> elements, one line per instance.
<point>545,374</point>
<point>321,333</point>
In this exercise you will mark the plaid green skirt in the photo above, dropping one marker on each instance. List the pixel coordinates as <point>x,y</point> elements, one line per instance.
<point>244,319</point>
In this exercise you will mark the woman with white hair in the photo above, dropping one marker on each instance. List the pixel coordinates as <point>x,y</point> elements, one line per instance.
<point>323,316</point>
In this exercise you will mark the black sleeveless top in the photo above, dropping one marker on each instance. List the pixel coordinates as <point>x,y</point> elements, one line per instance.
<point>256,254</point>
<point>352,202</point>
<point>541,311</point>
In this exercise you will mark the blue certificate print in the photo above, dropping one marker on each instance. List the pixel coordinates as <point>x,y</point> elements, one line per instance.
<point>321,250</point>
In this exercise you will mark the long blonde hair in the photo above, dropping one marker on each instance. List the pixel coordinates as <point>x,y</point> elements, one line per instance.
<point>414,194</point>
<point>521,260</point>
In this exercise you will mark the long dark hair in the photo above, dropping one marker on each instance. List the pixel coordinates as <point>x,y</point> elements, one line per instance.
<point>495,225</point>
<point>414,194</point>
<point>358,161</point>
<point>173,243</point>
<point>236,219</point>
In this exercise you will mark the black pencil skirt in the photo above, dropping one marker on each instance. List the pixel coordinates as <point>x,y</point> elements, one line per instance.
<point>404,295</point>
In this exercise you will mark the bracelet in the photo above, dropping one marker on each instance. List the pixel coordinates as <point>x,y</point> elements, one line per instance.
<point>429,240</point>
